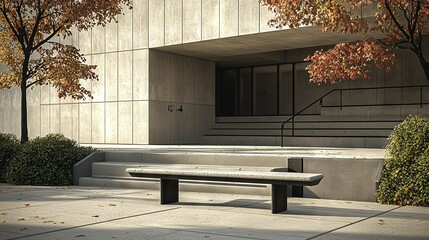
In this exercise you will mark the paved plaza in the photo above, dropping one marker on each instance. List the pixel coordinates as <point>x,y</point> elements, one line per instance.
<point>28,212</point>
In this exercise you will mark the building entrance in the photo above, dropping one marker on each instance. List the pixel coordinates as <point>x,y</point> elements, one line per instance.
<point>267,90</point>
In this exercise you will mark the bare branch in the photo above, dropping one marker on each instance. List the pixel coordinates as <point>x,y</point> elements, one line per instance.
<point>398,25</point>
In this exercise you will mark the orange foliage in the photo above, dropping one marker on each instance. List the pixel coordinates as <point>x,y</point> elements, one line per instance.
<point>403,23</point>
<point>28,52</point>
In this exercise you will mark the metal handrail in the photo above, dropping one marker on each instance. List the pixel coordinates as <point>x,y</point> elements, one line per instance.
<point>320,100</point>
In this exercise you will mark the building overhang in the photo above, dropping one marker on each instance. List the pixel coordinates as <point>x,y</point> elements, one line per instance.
<point>260,46</point>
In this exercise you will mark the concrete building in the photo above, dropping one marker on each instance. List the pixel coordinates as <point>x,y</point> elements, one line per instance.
<point>213,72</point>
<point>207,58</point>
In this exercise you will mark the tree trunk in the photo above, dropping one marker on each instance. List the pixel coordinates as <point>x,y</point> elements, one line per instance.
<point>24,78</point>
<point>24,127</point>
<point>425,66</point>
<point>423,62</point>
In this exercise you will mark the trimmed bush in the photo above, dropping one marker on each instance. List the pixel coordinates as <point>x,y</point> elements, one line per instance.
<point>9,146</point>
<point>405,176</point>
<point>46,161</point>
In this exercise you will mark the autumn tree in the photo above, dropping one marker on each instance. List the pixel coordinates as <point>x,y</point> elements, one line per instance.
<point>31,57</point>
<point>402,24</point>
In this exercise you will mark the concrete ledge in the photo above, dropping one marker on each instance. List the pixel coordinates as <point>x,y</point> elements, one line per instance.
<point>84,167</point>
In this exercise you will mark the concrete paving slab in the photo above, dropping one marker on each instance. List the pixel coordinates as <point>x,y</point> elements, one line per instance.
<point>97,213</point>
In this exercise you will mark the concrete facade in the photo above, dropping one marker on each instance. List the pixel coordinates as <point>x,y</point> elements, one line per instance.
<point>163,54</point>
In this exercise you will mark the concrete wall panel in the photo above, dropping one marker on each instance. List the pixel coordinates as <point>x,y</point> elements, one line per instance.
<point>85,124</point>
<point>356,181</point>
<point>54,119</point>
<point>85,42</point>
<point>112,122</point>
<point>44,120</point>
<point>98,39</point>
<point>156,23</point>
<point>188,87</point>
<point>191,21</point>
<point>3,110</point>
<point>75,121</point>
<point>200,82</point>
<point>6,103</point>
<point>140,24</point>
<point>53,95</point>
<point>176,78</point>
<point>111,37</point>
<point>141,122</point>
<point>67,120</point>
<point>111,81</point>
<point>173,21</point>
<point>210,90</point>
<point>228,18</point>
<point>188,124</point>
<point>87,84</point>
<point>210,19</point>
<point>159,123</point>
<point>125,80</point>
<point>33,113</point>
<point>159,81</point>
<point>249,17</point>
<point>125,123</point>
<point>98,86</point>
<point>97,123</point>
<point>265,17</point>
<point>16,111</point>
<point>141,75</point>
<point>75,37</point>
<point>125,30</point>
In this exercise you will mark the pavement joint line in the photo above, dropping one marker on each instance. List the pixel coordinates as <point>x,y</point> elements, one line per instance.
<point>96,223</point>
<point>353,223</point>
<point>212,233</point>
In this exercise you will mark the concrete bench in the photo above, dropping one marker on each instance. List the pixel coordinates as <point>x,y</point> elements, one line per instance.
<point>278,179</point>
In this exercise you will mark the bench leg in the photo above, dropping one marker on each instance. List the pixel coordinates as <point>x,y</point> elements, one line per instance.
<point>278,198</point>
<point>169,191</point>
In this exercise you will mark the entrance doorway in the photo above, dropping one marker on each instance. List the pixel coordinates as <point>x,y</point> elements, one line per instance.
<point>267,90</point>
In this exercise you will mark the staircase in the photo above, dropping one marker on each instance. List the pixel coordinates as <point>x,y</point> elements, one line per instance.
<point>356,126</point>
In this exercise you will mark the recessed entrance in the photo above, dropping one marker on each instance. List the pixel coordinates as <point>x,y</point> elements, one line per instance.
<point>264,90</point>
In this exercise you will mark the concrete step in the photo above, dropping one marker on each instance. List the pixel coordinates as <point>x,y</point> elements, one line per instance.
<point>298,141</point>
<point>346,132</point>
<point>312,124</point>
<point>374,111</point>
<point>185,185</point>
<point>197,158</point>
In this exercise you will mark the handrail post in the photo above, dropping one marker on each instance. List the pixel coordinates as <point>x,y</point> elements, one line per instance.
<point>421,96</point>
<point>341,99</point>
<point>293,126</point>
<point>281,136</point>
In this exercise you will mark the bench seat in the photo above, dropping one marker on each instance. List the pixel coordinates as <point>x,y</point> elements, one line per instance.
<point>278,178</point>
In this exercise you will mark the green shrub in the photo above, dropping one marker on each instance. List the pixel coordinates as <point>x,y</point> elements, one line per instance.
<point>9,146</point>
<point>405,176</point>
<point>46,161</point>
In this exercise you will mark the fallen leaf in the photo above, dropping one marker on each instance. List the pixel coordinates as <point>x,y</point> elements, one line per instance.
<point>26,205</point>
<point>4,221</point>
<point>3,213</point>
<point>112,205</point>
<point>35,216</point>
<point>22,229</point>
<point>61,222</point>
<point>80,235</point>
<point>381,222</point>
<point>95,216</point>
<point>48,221</point>
<point>20,219</point>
